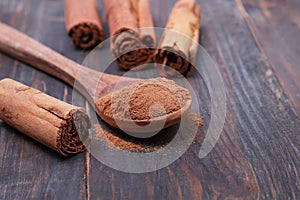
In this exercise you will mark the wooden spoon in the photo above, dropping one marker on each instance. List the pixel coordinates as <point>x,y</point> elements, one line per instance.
<point>30,51</point>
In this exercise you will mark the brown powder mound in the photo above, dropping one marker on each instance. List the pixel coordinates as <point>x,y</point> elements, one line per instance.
<point>149,96</point>
<point>137,100</point>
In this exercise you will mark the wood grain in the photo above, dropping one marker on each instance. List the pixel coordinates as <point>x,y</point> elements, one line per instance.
<point>277,26</point>
<point>253,158</point>
<point>29,170</point>
<point>257,155</point>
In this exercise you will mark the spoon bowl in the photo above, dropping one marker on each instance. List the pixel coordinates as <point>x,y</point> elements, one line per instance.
<point>143,126</point>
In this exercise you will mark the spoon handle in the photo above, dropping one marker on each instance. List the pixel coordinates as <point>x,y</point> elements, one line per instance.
<point>27,50</point>
<point>90,83</point>
<point>20,46</point>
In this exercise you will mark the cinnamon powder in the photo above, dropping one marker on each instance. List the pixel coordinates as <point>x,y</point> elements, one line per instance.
<point>196,119</point>
<point>117,140</point>
<point>157,96</point>
<point>142,97</point>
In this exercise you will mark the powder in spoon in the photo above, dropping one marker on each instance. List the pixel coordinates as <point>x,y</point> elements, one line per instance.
<point>144,99</point>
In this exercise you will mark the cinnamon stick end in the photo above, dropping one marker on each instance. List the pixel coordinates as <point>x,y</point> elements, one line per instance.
<point>73,133</point>
<point>169,58</point>
<point>132,51</point>
<point>86,35</point>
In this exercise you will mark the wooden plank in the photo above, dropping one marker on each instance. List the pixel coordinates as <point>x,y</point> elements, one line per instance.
<point>277,25</point>
<point>257,155</point>
<point>28,169</point>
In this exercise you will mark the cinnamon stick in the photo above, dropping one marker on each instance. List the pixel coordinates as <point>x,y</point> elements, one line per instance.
<point>130,46</point>
<point>179,43</point>
<point>49,121</point>
<point>83,24</point>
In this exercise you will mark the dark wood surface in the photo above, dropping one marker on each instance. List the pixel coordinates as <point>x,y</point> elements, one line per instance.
<point>256,45</point>
<point>277,25</point>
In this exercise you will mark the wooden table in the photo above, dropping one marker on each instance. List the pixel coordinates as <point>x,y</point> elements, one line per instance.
<point>256,45</point>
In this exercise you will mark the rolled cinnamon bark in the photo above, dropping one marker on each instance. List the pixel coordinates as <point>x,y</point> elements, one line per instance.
<point>83,24</point>
<point>49,121</point>
<point>130,46</point>
<point>179,43</point>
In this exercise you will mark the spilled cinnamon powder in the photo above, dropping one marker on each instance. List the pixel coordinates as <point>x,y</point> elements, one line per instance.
<point>196,119</point>
<point>117,140</point>
<point>120,141</point>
